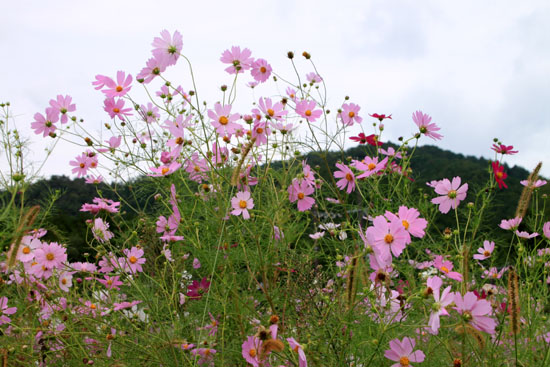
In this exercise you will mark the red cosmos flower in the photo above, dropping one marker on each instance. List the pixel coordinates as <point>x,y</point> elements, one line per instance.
<point>363,139</point>
<point>504,149</point>
<point>380,117</point>
<point>500,175</point>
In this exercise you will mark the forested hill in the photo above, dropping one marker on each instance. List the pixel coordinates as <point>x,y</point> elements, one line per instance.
<point>428,163</point>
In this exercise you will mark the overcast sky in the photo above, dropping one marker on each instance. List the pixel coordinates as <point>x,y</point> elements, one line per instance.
<point>481,69</point>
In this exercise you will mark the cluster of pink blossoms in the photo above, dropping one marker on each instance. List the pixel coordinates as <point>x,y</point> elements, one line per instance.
<point>302,187</point>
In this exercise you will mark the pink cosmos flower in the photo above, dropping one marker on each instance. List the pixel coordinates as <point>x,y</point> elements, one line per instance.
<point>475,311</point>
<point>196,167</point>
<point>238,60</point>
<point>369,166</point>
<point>101,230</point>
<point>116,108</point>
<point>5,310</point>
<point>241,203</point>
<point>410,220</point>
<point>510,224</point>
<point>114,142</point>
<point>272,111</point>
<point>167,47</point>
<point>526,235</point>
<point>260,132</point>
<point>295,346</point>
<point>422,120</point>
<point>251,349</point>
<point>445,267</point>
<point>165,170</point>
<point>101,204</point>
<point>25,253</point>
<point>346,176</point>
<point>387,238</point>
<point>402,352</point>
<point>503,149</point>
<point>134,259</point>
<point>62,105</point>
<point>350,114</point>
<point>119,88</point>
<point>149,113</point>
<point>390,152</point>
<point>51,255</point>
<point>261,70</point>
<point>546,230</point>
<point>485,251</point>
<point>452,194</point>
<point>307,110</point>
<point>383,268</point>
<point>291,93</point>
<point>313,77</point>
<point>493,273</point>
<point>537,183</point>
<point>111,282</point>
<point>308,173</point>
<point>100,81</point>
<point>206,355</point>
<point>300,191</point>
<point>45,125</point>
<point>223,120</point>
<point>94,179</point>
<point>438,307</point>
<point>65,281</point>
<point>153,68</point>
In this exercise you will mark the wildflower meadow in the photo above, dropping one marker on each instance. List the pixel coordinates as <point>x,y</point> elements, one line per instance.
<point>232,249</point>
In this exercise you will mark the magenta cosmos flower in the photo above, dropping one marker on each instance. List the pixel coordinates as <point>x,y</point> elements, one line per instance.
<point>238,60</point>
<point>165,170</point>
<point>346,176</point>
<point>503,149</point>
<point>485,251</point>
<point>116,108</point>
<point>45,125</point>
<point>475,311</point>
<point>62,105</point>
<point>423,120</point>
<point>402,352</point>
<point>369,166</point>
<point>134,259</point>
<point>223,120</point>
<point>300,191</point>
<point>168,47</point>
<point>386,237</point>
<point>241,203</point>
<point>350,114</point>
<point>5,310</point>
<point>272,111</point>
<point>152,69</point>
<point>500,175</point>
<point>452,194</point>
<point>307,110</point>
<point>196,289</point>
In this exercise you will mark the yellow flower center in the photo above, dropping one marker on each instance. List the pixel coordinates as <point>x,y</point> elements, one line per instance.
<point>444,269</point>
<point>223,120</point>
<point>405,224</point>
<point>116,110</point>
<point>486,253</point>
<point>179,141</point>
<point>242,204</point>
<point>259,130</point>
<point>93,306</point>
<point>206,352</point>
<point>252,352</point>
<point>63,281</point>
<point>388,238</point>
<point>308,113</point>
<point>351,114</point>
<point>371,166</point>
<point>164,170</point>
<point>109,282</point>
<point>270,112</point>
<point>196,169</point>
<point>118,88</point>
<point>82,165</point>
<point>26,250</point>
<point>404,361</point>
<point>301,195</point>
<point>452,194</point>
<point>50,256</point>
<point>499,175</point>
<point>349,177</point>
<point>263,69</point>
<point>133,259</point>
